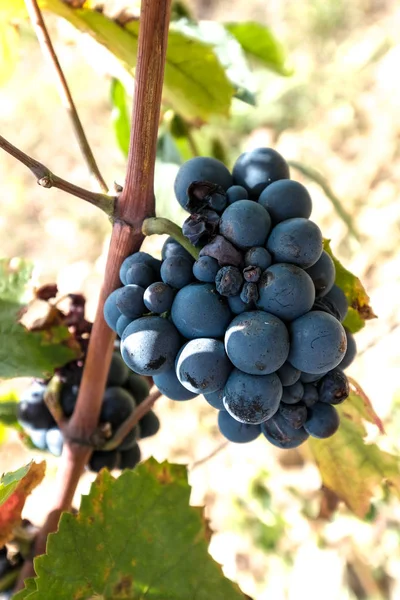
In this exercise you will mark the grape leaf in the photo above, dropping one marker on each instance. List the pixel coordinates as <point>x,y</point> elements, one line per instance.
<point>30,586</point>
<point>350,467</point>
<point>195,85</point>
<point>119,115</point>
<point>134,537</point>
<point>358,299</point>
<point>25,353</point>
<point>258,41</point>
<point>14,489</point>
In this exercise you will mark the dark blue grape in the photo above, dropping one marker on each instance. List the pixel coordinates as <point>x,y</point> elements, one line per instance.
<point>111,311</point>
<point>54,441</point>
<point>138,387</point>
<point>103,460</point>
<point>122,324</point>
<point>235,193</point>
<point>323,421</point>
<point>223,251</point>
<point>296,241</point>
<point>285,291</point>
<point>278,432</point>
<point>205,269</point>
<point>294,414</point>
<point>117,405</point>
<point>239,433</point>
<point>118,373</point>
<point>138,257</point>
<point>257,169</point>
<point>310,396</point>
<point>158,297</point>
<point>326,305</point>
<point>228,281</point>
<point>311,377</point>
<point>318,342</point>
<point>129,300</point>
<point>351,351</point>
<point>68,398</point>
<point>252,399</point>
<point>199,311</point>
<point>202,365</point>
<point>323,274</point>
<point>288,374</point>
<point>32,410</point>
<point>339,300</point>
<point>171,248</point>
<point>130,458</point>
<point>249,293</point>
<point>293,393</point>
<point>258,257</point>
<point>333,388</point>
<point>215,399</point>
<point>170,386</point>
<point>140,274</point>
<point>200,228</point>
<point>149,425</point>
<point>245,224</point>
<point>204,195</point>
<point>38,437</point>
<point>252,274</point>
<point>177,272</point>
<point>200,168</point>
<point>286,199</point>
<point>257,342</point>
<point>149,345</point>
<point>237,305</point>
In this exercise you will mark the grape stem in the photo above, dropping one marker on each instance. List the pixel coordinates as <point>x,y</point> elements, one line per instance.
<point>122,431</point>
<point>48,51</point>
<point>47,179</point>
<point>161,226</point>
<point>52,400</point>
<point>135,204</point>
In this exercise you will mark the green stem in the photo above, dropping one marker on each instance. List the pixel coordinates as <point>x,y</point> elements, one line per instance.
<point>160,226</point>
<point>52,400</point>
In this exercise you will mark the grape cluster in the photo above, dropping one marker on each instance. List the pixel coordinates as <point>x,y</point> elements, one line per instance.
<point>255,323</point>
<point>124,391</point>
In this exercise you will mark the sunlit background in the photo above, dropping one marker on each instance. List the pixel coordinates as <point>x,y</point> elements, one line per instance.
<point>338,113</point>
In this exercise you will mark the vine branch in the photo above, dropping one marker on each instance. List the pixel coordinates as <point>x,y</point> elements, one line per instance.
<point>135,204</point>
<point>48,51</point>
<point>47,179</point>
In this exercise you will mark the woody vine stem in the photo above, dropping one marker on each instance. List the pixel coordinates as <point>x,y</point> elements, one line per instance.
<point>134,205</point>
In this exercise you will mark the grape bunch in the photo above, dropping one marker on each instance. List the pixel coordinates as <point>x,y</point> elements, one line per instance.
<point>124,391</point>
<point>255,323</point>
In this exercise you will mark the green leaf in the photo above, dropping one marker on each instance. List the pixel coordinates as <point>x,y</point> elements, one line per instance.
<point>8,413</point>
<point>358,299</point>
<point>10,481</point>
<point>120,115</point>
<point>15,274</point>
<point>14,489</point>
<point>259,42</point>
<point>134,537</point>
<point>195,84</point>
<point>30,586</point>
<point>318,178</point>
<point>9,50</point>
<point>24,353</point>
<point>351,468</point>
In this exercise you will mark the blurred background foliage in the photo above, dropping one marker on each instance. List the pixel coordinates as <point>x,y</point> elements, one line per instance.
<point>328,100</point>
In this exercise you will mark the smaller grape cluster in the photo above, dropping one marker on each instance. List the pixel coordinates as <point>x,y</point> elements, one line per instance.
<point>124,392</point>
<point>255,323</point>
